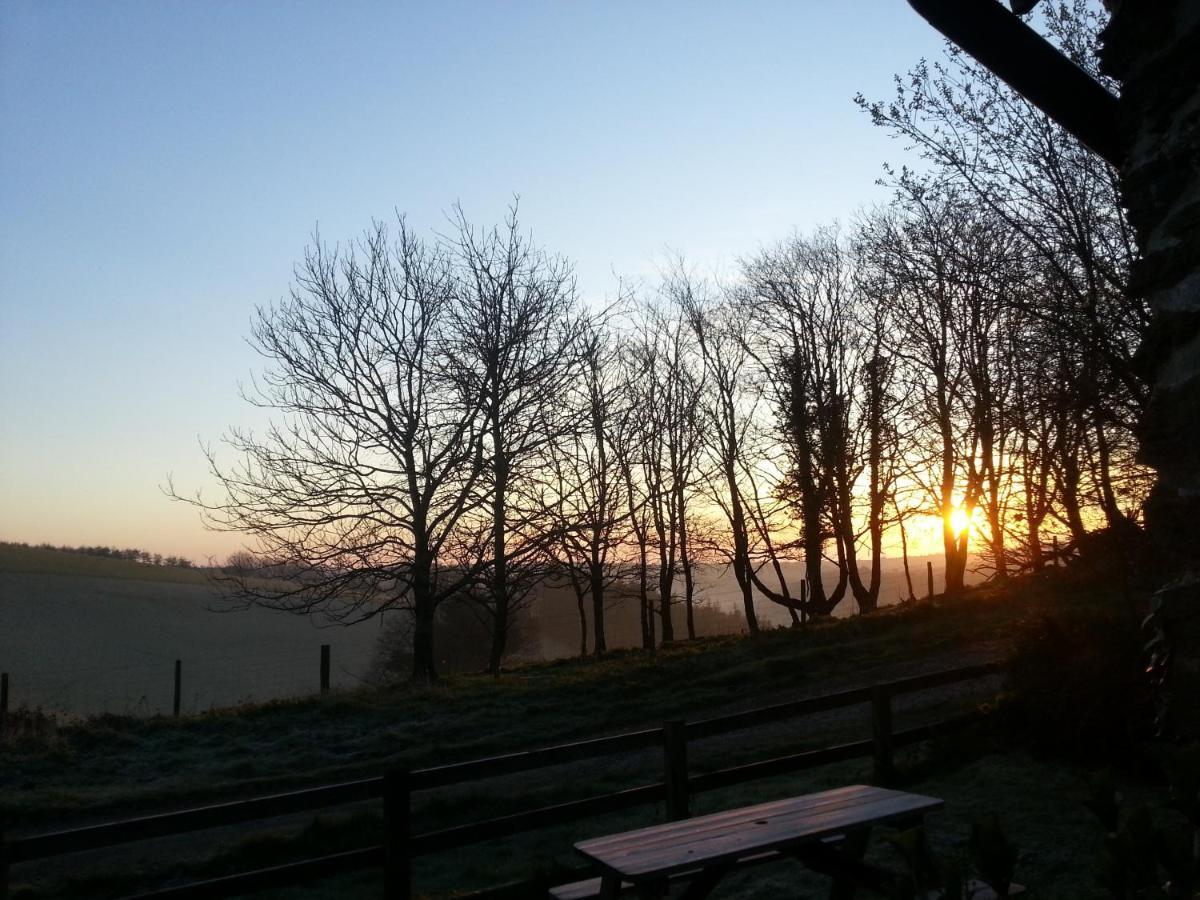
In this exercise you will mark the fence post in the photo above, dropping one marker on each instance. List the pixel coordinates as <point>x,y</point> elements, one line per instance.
<point>675,770</point>
<point>1054,543</point>
<point>324,668</point>
<point>3,701</point>
<point>3,861</point>
<point>178,687</point>
<point>397,856</point>
<point>929,577</point>
<point>881,734</point>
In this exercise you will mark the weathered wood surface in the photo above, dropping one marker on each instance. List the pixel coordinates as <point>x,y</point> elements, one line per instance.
<point>662,850</point>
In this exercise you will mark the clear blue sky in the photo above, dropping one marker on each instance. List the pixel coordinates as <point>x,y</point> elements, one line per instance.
<point>162,165</point>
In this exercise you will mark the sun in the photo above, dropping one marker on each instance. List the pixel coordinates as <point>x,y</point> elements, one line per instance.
<point>959,520</point>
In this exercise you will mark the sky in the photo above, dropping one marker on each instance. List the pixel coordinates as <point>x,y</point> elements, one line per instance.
<point>164,164</point>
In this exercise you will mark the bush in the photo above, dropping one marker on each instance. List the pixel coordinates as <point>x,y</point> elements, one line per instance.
<point>26,728</point>
<point>1076,687</point>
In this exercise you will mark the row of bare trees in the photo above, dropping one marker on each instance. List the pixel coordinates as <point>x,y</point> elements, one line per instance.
<point>453,424</point>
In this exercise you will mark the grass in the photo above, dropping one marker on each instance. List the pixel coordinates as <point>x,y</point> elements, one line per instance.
<point>38,561</point>
<point>113,765</point>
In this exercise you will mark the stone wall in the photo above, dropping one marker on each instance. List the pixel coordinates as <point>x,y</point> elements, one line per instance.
<point>1153,48</point>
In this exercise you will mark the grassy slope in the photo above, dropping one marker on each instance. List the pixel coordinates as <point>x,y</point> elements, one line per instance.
<point>110,765</point>
<point>124,763</point>
<point>36,561</point>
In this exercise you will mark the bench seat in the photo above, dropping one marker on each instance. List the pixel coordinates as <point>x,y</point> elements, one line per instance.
<point>589,888</point>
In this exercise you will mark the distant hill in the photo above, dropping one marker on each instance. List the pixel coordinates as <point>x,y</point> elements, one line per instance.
<point>39,561</point>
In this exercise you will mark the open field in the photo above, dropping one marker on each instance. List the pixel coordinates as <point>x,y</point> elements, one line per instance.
<point>115,766</point>
<point>83,635</point>
<point>39,561</point>
<point>85,644</point>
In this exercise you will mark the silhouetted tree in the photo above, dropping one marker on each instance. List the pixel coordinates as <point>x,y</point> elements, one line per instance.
<point>1062,202</point>
<point>587,494</point>
<point>517,349</point>
<point>727,418</point>
<point>667,391</point>
<point>367,488</point>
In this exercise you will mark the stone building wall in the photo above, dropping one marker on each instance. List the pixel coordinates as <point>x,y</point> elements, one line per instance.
<point>1153,48</point>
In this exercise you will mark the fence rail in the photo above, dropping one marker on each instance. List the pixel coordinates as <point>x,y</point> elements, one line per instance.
<point>395,788</point>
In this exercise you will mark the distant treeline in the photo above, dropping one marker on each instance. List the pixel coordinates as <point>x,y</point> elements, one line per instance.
<point>130,554</point>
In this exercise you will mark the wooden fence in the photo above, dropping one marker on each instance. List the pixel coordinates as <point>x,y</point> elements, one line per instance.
<point>400,846</point>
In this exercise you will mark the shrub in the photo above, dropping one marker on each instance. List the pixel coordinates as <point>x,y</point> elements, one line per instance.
<point>27,728</point>
<point>1076,687</point>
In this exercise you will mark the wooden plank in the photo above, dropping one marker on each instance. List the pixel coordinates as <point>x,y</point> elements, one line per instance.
<point>771,832</point>
<point>806,706</point>
<point>707,840</point>
<point>107,834</point>
<point>881,735</point>
<point>937,679</point>
<point>273,877</point>
<point>456,773</point>
<point>765,715</point>
<point>397,848</point>
<point>920,733</point>
<point>474,832</point>
<point>671,830</point>
<point>4,845</point>
<point>675,774</point>
<point>91,837</point>
<point>780,765</point>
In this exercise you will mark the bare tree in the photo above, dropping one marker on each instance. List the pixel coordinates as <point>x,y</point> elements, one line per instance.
<point>726,415</point>
<point>945,266</point>
<point>626,431</point>
<point>360,493</point>
<point>517,351</point>
<point>666,393</point>
<point>1063,202</point>
<point>588,494</point>
<point>831,381</point>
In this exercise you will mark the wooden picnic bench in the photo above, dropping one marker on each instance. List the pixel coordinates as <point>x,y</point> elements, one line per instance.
<point>827,831</point>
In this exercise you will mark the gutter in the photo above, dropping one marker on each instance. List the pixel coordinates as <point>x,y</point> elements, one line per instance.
<point>1032,67</point>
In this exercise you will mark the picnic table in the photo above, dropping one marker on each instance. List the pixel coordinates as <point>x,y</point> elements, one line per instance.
<point>827,831</point>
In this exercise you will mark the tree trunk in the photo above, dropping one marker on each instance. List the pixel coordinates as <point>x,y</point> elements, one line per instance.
<point>597,591</point>
<point>904,556</point>
<point>741,550</point>
<point>424,607</point>
<point>424,669</point>
<point>685,564</point>
<point>666,572</point>
<point>666,579</point>
<point>499,550</point>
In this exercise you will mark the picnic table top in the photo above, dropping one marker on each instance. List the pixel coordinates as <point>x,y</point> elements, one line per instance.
<point>735,833</point>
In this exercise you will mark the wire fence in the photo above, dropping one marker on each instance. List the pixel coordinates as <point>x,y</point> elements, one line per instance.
<point>148,686</point>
